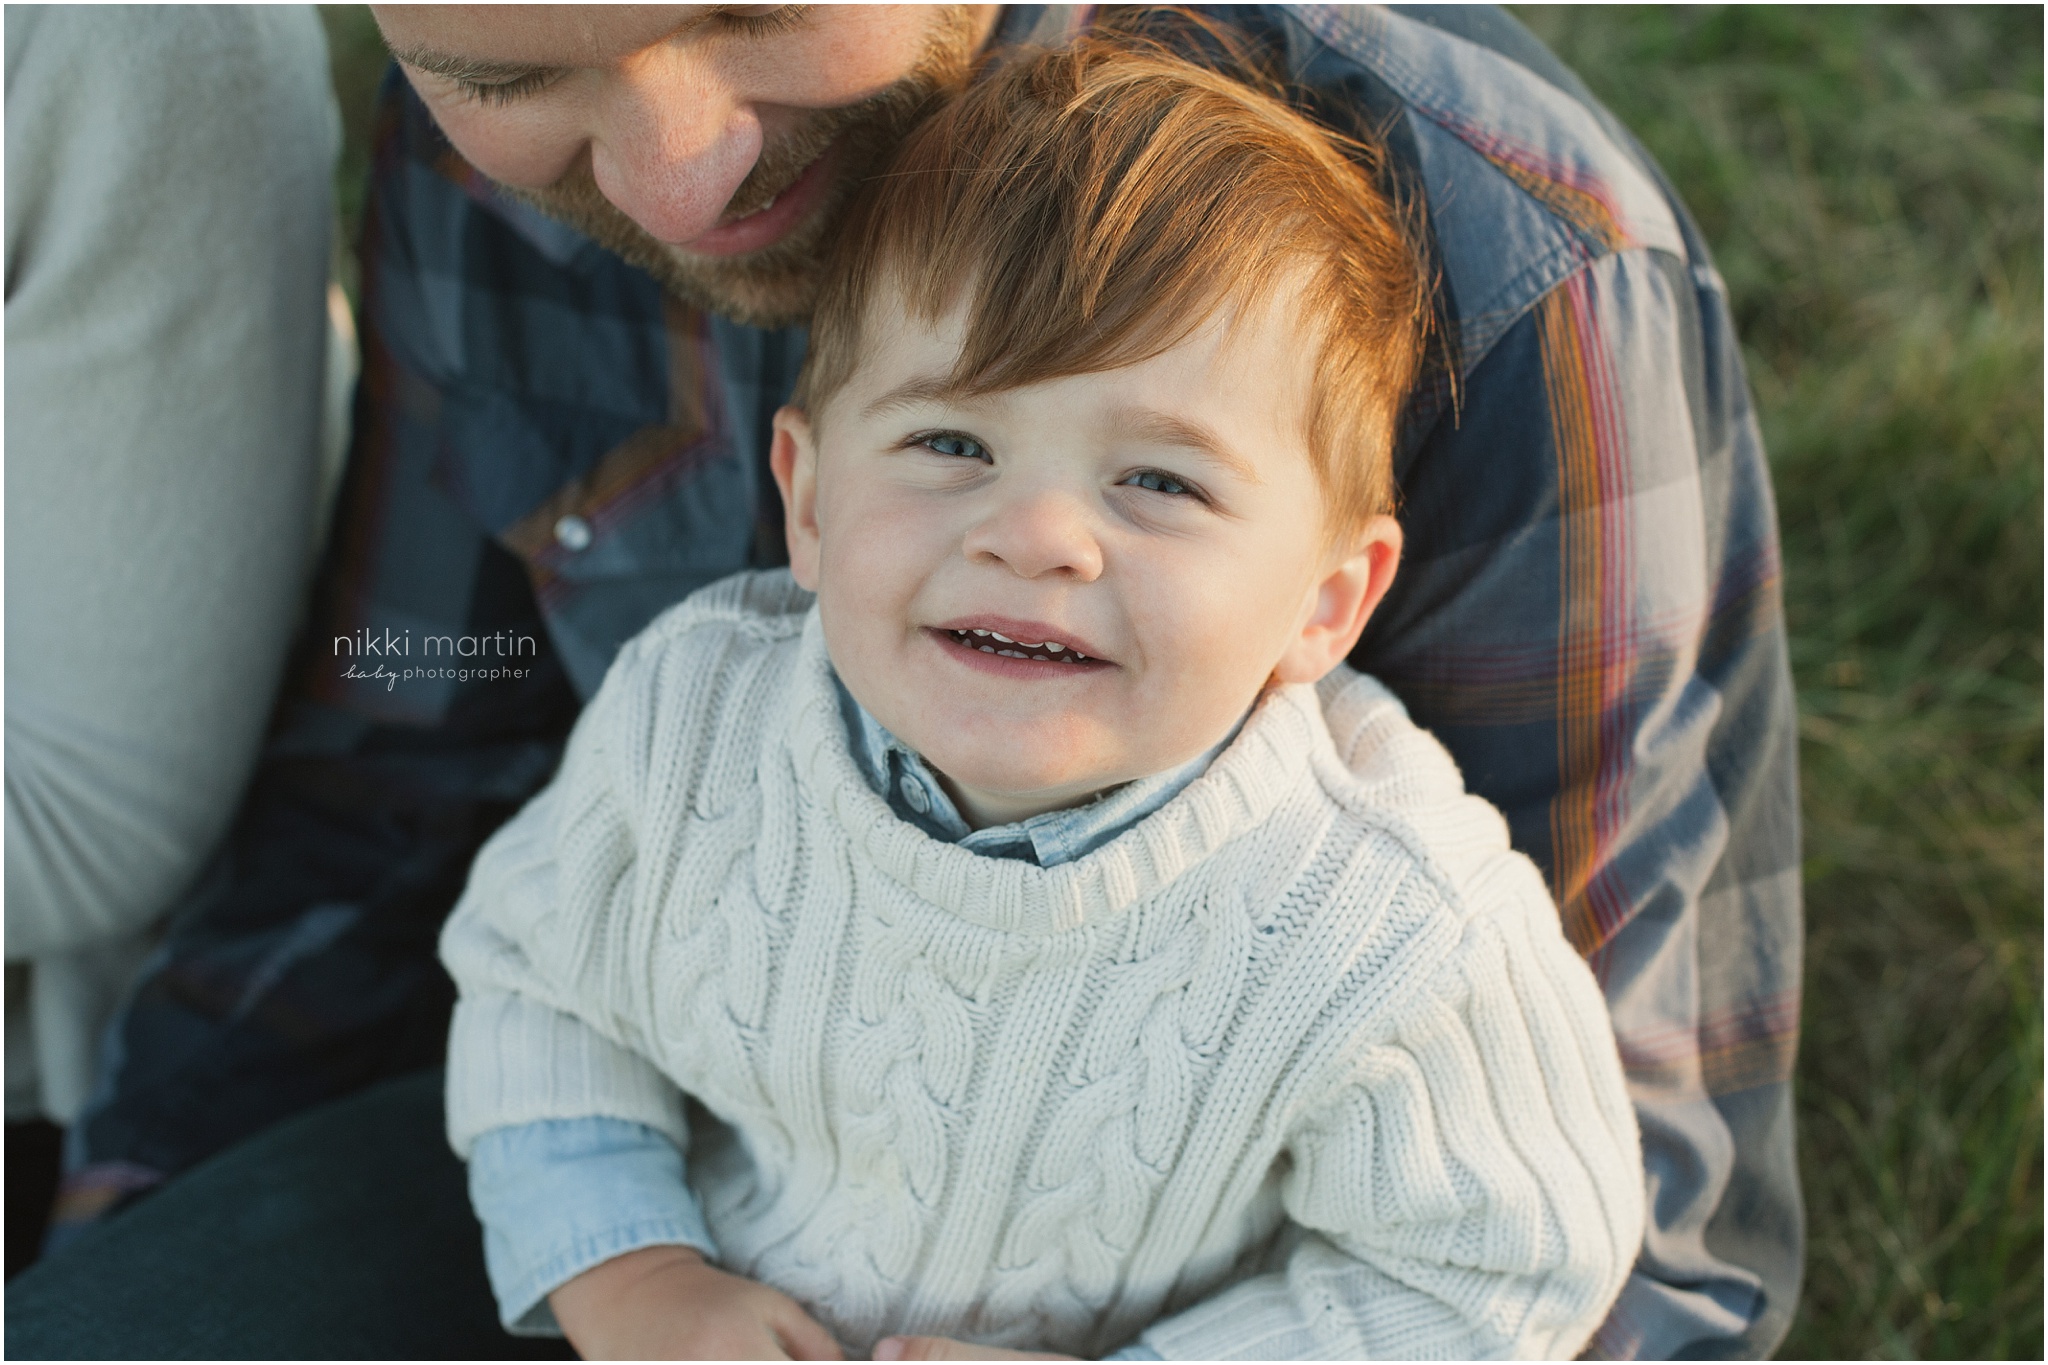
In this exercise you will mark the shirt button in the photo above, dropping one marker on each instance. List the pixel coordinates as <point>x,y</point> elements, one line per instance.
<point>914,794</point>
<point>572,533</point>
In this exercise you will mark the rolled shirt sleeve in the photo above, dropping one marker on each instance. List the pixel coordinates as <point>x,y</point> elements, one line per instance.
<point>560,1196</point>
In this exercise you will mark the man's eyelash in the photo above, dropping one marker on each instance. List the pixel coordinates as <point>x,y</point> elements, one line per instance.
<point>781,19</point>
<point>504,92</point>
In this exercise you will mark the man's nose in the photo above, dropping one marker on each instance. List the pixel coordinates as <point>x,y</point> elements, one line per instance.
<point>674,142</point>
<point>1037,534</point>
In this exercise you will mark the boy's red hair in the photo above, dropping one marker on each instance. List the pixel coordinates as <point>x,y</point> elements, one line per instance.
<point>1092,206</point>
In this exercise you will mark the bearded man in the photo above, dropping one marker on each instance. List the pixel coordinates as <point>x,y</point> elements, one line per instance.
<point>592,238</point>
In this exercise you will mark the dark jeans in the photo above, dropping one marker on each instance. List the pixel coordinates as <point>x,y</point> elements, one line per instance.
<point>344,1233</point>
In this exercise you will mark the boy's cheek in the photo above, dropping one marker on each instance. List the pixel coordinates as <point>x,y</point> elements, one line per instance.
<point>801,537</point>
<point>888,539</point>
<point>803,560</point>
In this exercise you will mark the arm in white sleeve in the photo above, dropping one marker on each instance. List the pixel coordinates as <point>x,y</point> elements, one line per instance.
<point>541,941</point>
<point>169,214</point>
<point>575,1141</point>
<point>1474,1192</point>
<point>524,1046</point>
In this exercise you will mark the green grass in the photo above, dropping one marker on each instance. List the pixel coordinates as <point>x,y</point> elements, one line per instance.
<point>1871,182</point>
<point>357,58</point>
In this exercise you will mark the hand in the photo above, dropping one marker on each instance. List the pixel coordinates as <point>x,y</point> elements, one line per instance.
<point>668,1303</point>
<point>945,1348</point>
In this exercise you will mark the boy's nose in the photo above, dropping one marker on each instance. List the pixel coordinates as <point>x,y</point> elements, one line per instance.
<point>674,144</point>
<point>1047,534</point>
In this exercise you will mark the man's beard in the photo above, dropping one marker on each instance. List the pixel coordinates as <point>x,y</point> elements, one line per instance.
<point>777,284</point>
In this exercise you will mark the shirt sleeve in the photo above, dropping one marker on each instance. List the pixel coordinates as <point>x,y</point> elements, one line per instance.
<point>1588,617</point>
<point>168,240</point>
<point>1473,1191</point>
<point>560,1196</point>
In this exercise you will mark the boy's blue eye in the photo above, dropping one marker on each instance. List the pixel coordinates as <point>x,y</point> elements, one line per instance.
<point>1157,482</point>
<point>953,443</point>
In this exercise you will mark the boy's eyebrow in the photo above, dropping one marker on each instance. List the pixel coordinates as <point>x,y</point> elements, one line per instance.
<point>1163,428</point>
<point>931,388</point>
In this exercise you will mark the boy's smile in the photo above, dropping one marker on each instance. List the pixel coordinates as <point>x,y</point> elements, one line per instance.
<point>980,641</point>
<point>1053,590</point>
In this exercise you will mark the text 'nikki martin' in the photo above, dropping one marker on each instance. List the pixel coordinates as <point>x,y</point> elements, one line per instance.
<point>501,644</point>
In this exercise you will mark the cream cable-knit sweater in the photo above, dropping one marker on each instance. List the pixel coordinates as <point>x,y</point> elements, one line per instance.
<point>1310,1031</point>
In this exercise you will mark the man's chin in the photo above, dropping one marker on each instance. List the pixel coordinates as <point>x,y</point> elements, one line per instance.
<point>766,288</point>
<point>772,287</point>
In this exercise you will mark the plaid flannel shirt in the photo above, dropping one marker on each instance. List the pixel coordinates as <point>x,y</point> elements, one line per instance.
<point>549,451</point>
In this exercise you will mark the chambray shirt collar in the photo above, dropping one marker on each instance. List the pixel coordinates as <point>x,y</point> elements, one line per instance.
<point>900,776</point>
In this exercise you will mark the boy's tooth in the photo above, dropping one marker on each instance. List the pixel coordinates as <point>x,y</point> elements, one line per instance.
<point>1067,653</point>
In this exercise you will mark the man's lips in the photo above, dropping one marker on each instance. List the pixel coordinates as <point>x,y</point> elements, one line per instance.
<point>767,226</point>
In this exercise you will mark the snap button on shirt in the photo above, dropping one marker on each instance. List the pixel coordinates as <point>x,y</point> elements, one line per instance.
<point>913,792</point>
<point>572,533</point>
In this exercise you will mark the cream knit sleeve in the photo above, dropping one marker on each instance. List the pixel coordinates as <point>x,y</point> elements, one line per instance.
<point>1474,1191</point>
<point>552,944</point>
<point>531,1040</point>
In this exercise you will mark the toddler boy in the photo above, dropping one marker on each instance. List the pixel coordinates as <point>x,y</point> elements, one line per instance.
<point>1033,930</point>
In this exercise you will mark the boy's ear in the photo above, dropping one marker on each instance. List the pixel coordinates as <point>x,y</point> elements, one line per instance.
<point>793,456</point>
<point>1343,602</point>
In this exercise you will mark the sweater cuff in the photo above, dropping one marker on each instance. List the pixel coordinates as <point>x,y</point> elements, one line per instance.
<point>513,1061</point>
<point>561,1196</point>
<point>1256,1319</point>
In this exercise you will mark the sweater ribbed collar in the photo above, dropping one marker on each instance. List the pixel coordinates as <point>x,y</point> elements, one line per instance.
<point>1275,751</point>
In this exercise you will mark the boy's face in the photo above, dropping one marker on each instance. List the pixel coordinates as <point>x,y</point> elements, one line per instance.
<point>1161,520</point>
